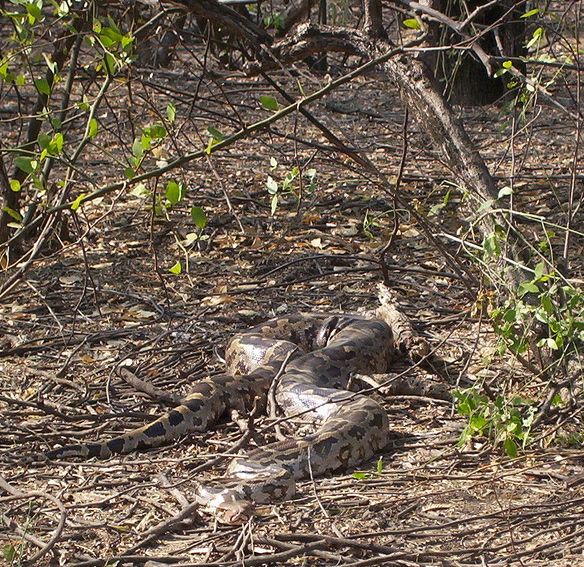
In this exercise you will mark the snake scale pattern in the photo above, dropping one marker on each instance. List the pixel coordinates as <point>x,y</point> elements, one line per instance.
<point>312,357</point>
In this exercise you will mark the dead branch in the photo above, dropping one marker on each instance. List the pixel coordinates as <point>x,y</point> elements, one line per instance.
<point>222,15</point>
<point>310,38</point>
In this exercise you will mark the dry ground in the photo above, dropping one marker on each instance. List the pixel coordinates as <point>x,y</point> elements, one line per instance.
<point>85,308</point>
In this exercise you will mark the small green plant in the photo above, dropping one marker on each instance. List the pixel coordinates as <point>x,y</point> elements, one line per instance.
<point>362,475</point>
<point>274,21</point>
<point>551,301</point>
<point>369,225</point>
<point>504,422</point>
<point>149,140</point>
<point>9,552</point>
<point>289,184</point>
<point>435,210</point>
<point>27,64</point>
<point>216,136</point>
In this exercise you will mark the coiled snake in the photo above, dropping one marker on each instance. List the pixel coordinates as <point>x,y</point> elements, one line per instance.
<point>320,352</point>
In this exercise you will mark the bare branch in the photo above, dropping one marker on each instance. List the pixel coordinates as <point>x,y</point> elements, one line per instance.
<point>309,39</point>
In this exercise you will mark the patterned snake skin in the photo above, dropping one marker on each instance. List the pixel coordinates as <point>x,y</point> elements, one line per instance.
<point>320,352</point>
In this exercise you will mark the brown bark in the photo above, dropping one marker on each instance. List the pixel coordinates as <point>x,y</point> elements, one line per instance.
<point>297,11</point>
<point>309,39</point>
<point>373,19</point>
<point>487,31</point>
<point>154,51</point>
<point>227,17</point>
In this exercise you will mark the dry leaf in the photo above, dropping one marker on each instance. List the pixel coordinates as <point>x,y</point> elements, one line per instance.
<point>214,300</point>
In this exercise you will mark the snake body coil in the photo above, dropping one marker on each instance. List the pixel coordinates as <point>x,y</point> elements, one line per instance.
<point>320,353</point>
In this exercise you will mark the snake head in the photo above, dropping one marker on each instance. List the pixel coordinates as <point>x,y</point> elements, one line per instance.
<point>234,513</point>
<point>225,502</point>
<point>327,331</point>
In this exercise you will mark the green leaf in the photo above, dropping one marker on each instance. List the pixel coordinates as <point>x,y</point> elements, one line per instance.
<point>110,35</point>
<point>176,269</point>
<point>129,172</point>
<point>76,204</point>
<point>15,185</point>
<point>485,206</point>
<point>547,304</point>
<point>359,475</point>
<point>9,552</point>
<point>42,86</point>
<point>173,192</point>
<point>4,69</point>
<point>412,23</point>
<point>491,246</point>
<point>145,141</point>
<point>14,214</point>
<point>84,104</point>
<point>507,64</point>
<point>530,13</point>
<point>44,140</point>
<point>199,217</point>
<point>379,465</point>
<point>110,63</point>
<point>535,38</point>
<point>127,41</point>
<point>93,127</point>
<point>26,164</point>
<point>557,401</point>
<point>57,143</point>
<point>269,102</point>
<point>510,447</point>
<point>156,131</point>
<point>140,191</point>
<point>137,148</point>
<point>548,342</point>
<point>272,185</point>
<point>52,65</point>
<point>218,136</point>
<point>290,176</point>
<point>464,404</point>
<point>171,112</point>
<point>527,287</point>
<point>274,204</point>
<point>477,423</point>
<point>539,270</point>
<point>34,12</point>
<point>510,315</point>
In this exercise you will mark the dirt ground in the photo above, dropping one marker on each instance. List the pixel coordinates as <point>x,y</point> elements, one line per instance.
<point>105,295</point>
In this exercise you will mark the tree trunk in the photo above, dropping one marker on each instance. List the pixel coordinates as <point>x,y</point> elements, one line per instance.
<point>460,76</point>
